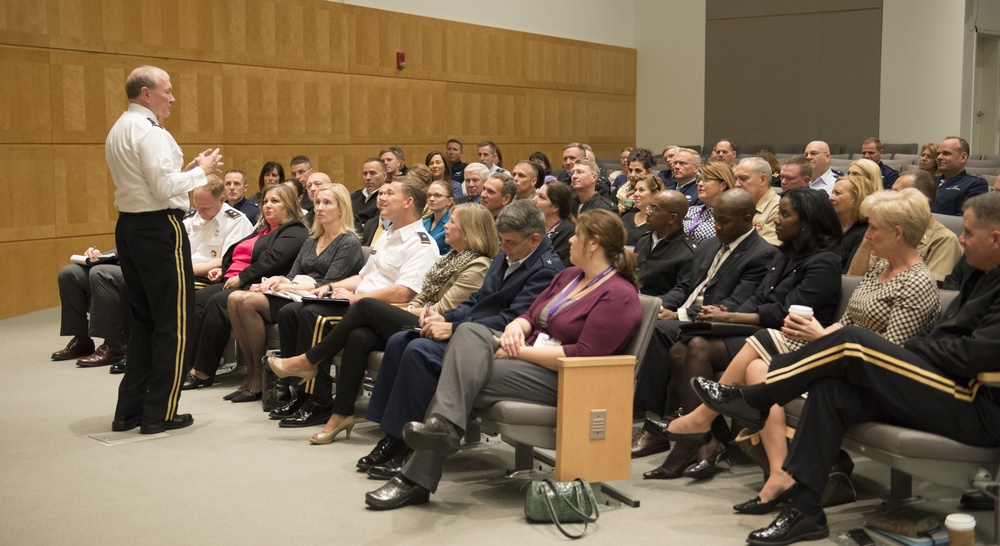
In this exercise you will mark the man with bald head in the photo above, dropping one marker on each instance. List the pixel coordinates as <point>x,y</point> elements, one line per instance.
<point>823,177</point>
<point>955,186</point>
<point>725,272</point>
<point>753,174</point>
<point>313,182</point>
<point>664,253</point>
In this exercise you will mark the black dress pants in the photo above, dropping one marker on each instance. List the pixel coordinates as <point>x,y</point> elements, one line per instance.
<point>155,257</point>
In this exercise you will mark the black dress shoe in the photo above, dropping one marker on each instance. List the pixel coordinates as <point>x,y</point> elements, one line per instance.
<point>233,394</point>
<point>310,414</point>
<point>978,500</point>
<point>728,400</point>
<point>180,420</point>
<point>77,347</point>
<point>118,367</point>
<point>290,407</point>
<point>434,434</point>
<point>644,443</point>
<point>791,526</point>
<point>385,450</point>
<point>246,396</point>
<point>192,381</point>
<point>709,456</point>
<point>396,493</point>
<point>121,424</point>
<point>392,467</point>
<point>756,507</point>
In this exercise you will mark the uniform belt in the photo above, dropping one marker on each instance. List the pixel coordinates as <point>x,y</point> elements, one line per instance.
<point>163,212</point>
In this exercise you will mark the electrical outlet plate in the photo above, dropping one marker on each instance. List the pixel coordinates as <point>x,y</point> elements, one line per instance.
<point>598,423</point>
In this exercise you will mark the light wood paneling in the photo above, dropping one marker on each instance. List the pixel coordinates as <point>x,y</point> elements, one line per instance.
<point>268,80</point>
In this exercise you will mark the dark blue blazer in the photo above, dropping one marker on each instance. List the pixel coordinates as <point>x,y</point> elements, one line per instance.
<point>500,300</point>
<point>812,280</point>
<point>735,282</point>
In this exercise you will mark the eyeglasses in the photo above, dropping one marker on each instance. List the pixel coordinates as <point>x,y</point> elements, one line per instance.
<point>510,244</point>
<point>436,195</point>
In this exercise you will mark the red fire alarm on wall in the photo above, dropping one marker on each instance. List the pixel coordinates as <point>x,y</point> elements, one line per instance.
<point>400,60</point>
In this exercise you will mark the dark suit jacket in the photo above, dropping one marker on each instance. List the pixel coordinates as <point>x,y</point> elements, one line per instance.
<point>662,267</point>
<point>369,231</point>
<point>812,280</point>
<point>735,281</point>
<point>364,210</point>
<point>597,201</point>
<point>273,254</point>
<point>500,300</point>
<point>560,240</point>
<point>466,199</point>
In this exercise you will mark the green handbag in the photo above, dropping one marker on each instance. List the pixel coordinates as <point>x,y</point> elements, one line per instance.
<point>561,502</point>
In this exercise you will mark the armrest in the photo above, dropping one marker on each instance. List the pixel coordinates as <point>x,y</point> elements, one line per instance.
<point>568,362</point>
<point>990,378</point>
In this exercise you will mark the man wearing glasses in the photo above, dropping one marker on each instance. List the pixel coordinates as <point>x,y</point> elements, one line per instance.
<point>685,168</point>
<point>411,363</point>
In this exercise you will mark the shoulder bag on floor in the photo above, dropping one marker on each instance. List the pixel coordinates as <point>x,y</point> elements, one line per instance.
<point>561,502</point>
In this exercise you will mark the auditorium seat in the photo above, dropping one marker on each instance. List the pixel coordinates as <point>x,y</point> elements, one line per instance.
<point>910,148</point>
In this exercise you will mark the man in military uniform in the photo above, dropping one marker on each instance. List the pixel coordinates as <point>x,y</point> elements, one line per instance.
<point>212,227</point>
<point>151,187</point>
<point>236,190</point>
<point>955,186</point>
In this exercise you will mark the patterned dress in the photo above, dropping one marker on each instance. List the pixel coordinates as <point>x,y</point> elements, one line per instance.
<point>897,309</point>
<point>699,224</point>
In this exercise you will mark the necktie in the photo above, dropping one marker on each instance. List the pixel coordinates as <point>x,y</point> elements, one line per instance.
<point>698,293</point>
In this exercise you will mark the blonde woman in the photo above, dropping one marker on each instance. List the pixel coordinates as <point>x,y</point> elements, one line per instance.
<point>848,193</point>
<point>699,222</point>
<point>928,159</point>
<point>868,170</point>
<point>472,234</point>
<point>331,253</point>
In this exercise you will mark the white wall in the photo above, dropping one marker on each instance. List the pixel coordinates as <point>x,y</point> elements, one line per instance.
<point>922,70</point>
<point>597,21</point>
<point>670,86</point>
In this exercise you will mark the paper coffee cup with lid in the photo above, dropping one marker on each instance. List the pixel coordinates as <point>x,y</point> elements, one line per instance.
<point>801,310</point>
<point>961,529</point>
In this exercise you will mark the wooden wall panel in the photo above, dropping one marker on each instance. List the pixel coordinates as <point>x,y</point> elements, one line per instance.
<point>266,80</point>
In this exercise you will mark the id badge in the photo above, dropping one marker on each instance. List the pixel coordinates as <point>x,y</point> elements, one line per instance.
<point>545,340</point>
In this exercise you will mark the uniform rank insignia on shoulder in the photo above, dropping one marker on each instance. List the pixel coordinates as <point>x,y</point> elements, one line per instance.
<point>189,213</point>
<point>424,238</point>
<point>153,121</point>
<point>233,213</point>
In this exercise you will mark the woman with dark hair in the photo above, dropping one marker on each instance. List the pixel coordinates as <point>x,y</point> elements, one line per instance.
<point>270,250</point>
<point>635,220</point>
<point>640,163</point>
<point>806,272</point>
<point>270,174</point>
<point>556,203</point>
<point>897,299</point>
<point>590,309</point>
<point>440,169</point>
<point>543,160</point>
<point>368,324</point>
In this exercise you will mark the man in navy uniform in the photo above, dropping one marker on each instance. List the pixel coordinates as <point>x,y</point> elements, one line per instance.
<point>955,186</point>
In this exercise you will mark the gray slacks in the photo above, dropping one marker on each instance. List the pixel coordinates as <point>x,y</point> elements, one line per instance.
<point>96,290</point>
<point>472,379</point>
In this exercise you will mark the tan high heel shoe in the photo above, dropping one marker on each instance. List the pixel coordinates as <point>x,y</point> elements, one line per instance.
<point>275,364</point>
<point>327,437</point>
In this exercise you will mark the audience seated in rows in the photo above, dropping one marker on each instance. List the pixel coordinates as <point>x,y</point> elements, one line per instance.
<point>590,309</point>
<point>331,253</point>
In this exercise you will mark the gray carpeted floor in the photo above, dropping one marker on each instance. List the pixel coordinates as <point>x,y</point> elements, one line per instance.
<point>235,477</point>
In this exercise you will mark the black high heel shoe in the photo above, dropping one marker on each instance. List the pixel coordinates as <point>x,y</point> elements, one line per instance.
<point>658,427</point>
<point>710,454</point>
<point>756,507</point>
<point>683,455</point>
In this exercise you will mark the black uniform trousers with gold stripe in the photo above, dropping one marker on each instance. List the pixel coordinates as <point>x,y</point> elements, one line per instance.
<point>155,257</point>
<point>303,325</point>
<point>854,375</point>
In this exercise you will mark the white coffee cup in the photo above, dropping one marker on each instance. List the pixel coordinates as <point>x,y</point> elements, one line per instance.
<point>801,310</point>
<point>961,529</point>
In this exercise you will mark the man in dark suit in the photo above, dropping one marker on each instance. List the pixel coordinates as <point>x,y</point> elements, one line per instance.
<point>411,364</point>
<point>726,270</point>
<point>664,252</point>
<point>364,201</point>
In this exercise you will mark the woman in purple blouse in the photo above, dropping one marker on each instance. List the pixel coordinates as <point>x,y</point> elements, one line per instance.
<point>591,309</point>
